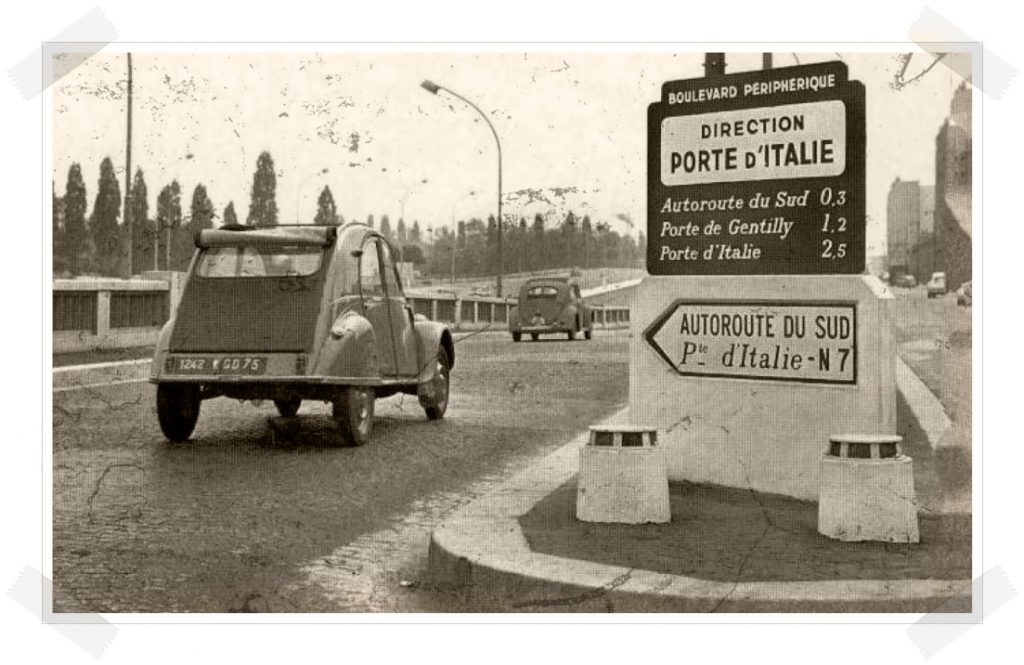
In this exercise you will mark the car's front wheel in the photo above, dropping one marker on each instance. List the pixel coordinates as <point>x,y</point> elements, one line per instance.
<point>436,402</point>
<point>177,409</point>
<point>534,336</point>
<point>288,407</point>
<point>588,333</point>
<point>353,411</point>
<point>516,337</point>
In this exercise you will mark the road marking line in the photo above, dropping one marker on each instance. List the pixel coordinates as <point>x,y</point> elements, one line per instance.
<point>84,386</point>
<point>100,366</point>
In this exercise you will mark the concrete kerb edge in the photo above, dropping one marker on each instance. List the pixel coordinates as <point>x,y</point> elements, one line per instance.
<point>482,554</point>
<point>923,403</point>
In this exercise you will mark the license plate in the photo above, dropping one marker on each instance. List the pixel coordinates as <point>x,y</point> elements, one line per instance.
<point>248,365</point>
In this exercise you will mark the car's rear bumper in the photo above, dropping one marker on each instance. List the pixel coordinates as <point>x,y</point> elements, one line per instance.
<point>277,369</point>
<point>229,380</point>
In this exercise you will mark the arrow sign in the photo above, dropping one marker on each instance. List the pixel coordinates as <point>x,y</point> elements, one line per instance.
<point>809,342</point>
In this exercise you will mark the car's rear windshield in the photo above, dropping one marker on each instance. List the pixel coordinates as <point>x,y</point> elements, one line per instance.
<point>262,261</point>
<point>542,292</point>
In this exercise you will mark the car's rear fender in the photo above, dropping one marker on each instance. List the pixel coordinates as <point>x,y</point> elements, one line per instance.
<point>163,342</point>
<point>350,349</point>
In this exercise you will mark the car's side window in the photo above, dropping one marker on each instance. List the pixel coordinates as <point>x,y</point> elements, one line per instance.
<point>370,279</point>
<point>390,275</point>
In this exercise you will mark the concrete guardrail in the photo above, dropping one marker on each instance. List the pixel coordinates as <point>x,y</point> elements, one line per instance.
<point>106,313</point>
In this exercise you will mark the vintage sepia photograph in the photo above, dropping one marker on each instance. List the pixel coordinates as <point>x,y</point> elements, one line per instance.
<point>400,330</point>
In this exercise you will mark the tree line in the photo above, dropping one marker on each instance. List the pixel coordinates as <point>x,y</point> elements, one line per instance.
<point>162,239</point>
<point>572,242</point>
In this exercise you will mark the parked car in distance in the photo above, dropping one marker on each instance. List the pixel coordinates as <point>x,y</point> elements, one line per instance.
<point>293,313</point>
<point>550,305</point>
<point>937,285</point>
<point>906,281</point>
<point>965,294</point>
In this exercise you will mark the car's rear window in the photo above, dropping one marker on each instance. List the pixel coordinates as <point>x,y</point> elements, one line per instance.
<point>267,261</point>
<point>542,292</point>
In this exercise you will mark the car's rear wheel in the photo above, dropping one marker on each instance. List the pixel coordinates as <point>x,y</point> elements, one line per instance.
<point>588,333</point>
<point>436,403</point>
<point>571,335</point>
<point>177,409</point>
<point>353,411</point>
<point>534,336</point>
<point>288,407</point>
<point>516,337</point>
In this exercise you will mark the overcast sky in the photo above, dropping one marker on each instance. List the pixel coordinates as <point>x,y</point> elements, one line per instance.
<point>565,120</point>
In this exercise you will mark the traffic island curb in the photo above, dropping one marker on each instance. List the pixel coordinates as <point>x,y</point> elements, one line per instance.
<point>481,558</point>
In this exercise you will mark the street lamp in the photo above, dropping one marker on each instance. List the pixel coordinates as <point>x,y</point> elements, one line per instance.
<point>455,232</point>
<point>298,190</point>
<point>434,88</point>
<point>401,217</point>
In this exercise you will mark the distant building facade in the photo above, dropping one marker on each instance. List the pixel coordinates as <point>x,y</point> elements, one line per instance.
<point>952,236</point>
<point>922,254</point>
<point>903,225</point>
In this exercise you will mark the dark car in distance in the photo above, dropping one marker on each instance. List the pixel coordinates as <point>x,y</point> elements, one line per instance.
<point>550,305</point>
<point>293,313</point>
<point>965,294</point>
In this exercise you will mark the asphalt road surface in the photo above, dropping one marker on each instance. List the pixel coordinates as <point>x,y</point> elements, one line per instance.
<point>263,514</point>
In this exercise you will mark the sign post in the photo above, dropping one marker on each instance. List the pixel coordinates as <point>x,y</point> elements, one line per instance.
<point>757,334</point>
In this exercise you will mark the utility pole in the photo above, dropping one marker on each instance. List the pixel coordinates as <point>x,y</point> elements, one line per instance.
<point>128,178</point>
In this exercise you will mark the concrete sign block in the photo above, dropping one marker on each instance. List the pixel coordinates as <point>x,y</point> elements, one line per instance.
<point>867,491</point>
<point>622,477</point>
<point>746,377</point>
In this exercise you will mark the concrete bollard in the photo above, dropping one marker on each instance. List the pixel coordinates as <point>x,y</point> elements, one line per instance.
<point>866,490</point>
<point>622,477</point>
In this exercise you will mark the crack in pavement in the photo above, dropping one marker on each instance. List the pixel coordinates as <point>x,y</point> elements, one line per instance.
<point>739,573</point>
<point>593,594</point>
<point>760,503</point>
<point>102,477</point>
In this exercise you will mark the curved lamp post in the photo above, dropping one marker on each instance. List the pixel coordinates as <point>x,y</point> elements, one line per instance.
<point>434,88</point>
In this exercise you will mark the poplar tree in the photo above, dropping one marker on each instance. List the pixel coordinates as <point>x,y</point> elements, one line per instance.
<point>143,233</point>
<point>168,224</point>
<point>263,202</point>
<point>230,217</point>
<point>75,232</point>
<point>401,235</point>
<point>326,210</point>
<point>106,211</point>
<point>59,252</point>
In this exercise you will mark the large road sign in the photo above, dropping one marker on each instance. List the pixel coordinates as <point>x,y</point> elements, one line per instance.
<point>803,341</point>
<point>757,173</point>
